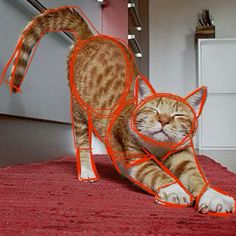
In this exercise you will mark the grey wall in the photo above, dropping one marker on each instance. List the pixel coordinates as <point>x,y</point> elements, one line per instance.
<point>172,27</point>
<point>45,91</point>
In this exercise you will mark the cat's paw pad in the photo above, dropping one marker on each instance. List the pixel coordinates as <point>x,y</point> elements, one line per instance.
<point>174,194</point>
<point>213,201</point>
<point>87,174</point>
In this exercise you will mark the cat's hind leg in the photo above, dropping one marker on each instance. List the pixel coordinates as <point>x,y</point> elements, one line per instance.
<point>82,129</point>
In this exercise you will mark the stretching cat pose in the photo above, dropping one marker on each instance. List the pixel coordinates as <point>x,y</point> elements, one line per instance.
<point>101,90</point>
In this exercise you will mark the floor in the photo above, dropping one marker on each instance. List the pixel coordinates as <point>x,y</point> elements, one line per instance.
<point>26,141</point>
<point>224,157</point>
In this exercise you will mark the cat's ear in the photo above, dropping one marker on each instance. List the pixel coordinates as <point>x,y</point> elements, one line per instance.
<point>142,89</point>
<point>197,99</point>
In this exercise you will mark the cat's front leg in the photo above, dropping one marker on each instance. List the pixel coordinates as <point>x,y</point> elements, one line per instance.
<point>149,175</point>
<point>174,193</point>
<point>215,201</point>
<point>183,165</point>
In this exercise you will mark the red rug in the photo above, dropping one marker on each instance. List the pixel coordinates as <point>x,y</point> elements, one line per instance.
<point>47,199</point>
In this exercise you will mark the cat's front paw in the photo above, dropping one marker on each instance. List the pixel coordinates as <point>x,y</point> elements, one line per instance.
<point>213,201</point>
<point>174,194</point>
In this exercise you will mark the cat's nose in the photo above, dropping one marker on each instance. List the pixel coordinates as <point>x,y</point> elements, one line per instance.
<point>164,119</point>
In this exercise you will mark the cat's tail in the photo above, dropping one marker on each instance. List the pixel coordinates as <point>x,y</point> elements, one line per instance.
<point>60,19</point>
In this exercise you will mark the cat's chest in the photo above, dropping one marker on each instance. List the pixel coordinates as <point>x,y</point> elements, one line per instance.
<point>158,151</point>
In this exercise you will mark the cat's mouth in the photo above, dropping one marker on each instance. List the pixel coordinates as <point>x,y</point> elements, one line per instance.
<point>153,132</point>
<point>160,132</point>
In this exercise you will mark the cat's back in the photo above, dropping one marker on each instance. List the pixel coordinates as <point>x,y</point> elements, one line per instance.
<point>102,73</point>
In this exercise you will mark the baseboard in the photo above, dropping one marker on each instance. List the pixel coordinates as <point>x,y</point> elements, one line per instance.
<point>6,116</point>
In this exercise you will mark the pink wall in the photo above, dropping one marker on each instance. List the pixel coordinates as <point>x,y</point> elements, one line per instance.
<point>115,19</point>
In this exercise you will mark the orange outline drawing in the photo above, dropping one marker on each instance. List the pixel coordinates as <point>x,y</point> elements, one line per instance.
<point>114,112</point>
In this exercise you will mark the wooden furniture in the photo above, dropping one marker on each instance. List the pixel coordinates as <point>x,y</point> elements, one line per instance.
<point>216,70</point>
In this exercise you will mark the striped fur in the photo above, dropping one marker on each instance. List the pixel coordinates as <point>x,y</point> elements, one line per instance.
<point>99,73</point>
<point>62,19</point>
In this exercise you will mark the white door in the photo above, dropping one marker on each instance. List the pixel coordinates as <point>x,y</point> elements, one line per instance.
<point>217,70</point>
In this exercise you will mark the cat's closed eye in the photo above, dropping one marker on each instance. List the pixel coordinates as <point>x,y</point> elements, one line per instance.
<point>153,110</point>
<point>179,115</point>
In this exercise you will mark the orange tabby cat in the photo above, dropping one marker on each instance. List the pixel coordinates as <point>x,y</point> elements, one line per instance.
<point>98,72</point>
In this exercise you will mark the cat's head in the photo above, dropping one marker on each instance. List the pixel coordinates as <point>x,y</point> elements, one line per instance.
<point>165,118</point>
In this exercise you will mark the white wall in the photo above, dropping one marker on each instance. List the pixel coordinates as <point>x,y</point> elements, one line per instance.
<point>172,27</point>
<point>45,92</point>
